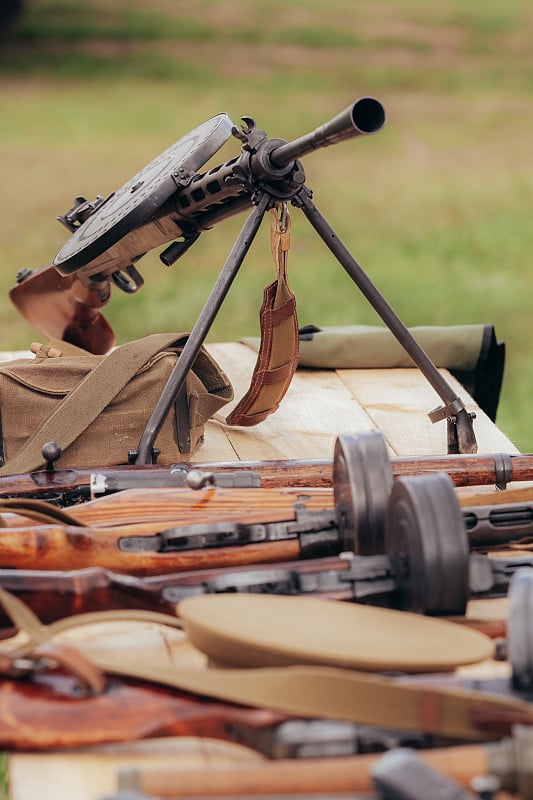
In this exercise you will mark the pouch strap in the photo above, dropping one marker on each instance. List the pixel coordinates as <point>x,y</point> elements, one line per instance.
<point>88,399</point>
<point>310,691</point>
<point>278,352</point>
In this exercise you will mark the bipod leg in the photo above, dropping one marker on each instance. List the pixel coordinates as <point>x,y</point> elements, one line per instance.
<point>461,437</point>
<point>193,345</point>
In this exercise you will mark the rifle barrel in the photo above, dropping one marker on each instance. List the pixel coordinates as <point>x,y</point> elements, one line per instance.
<point>362,118</point>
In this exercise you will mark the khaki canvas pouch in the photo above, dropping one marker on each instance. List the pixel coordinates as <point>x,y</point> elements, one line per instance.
<point>96,407</point>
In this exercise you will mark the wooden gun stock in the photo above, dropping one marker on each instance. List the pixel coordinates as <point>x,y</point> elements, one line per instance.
<point>106,526</point>
<point>461,763</point>
<point>61,307</point>
<point>49,547</point>
<point>183,506</point>
<point>56,594</point>
<point>51,713</point>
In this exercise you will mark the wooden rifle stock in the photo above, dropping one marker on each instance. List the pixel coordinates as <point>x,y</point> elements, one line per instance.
<point>184,506</point>
<point>49,547</point>
<point>71,486</point>
<point>174,530</point>
<point>461,763</point>
<point>103,526</point>
<point>56,594</point>
<point>61,307</point>
<point>51,713</point>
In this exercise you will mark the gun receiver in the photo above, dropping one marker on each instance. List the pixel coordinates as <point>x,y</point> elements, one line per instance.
<point>112,234</point>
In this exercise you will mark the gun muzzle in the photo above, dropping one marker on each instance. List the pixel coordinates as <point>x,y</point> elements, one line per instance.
<point>362,118</point>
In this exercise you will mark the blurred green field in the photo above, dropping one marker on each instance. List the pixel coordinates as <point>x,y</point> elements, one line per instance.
<point>436,207</point>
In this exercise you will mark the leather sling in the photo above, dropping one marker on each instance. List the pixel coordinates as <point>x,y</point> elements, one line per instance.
<point>278,351</point>
<point>40,510</point>
<point>310,691</point>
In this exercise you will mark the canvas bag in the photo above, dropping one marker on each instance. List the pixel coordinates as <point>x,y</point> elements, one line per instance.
<point>96,407</point>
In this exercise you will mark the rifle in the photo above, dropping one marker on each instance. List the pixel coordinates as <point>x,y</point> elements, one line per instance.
<point>54,594</point>
<point>361,471</point>
<point>508,760</point>
<point>426,568</point>
<point>68,487</point>
<point>130,710</point>
<point>169,199</point>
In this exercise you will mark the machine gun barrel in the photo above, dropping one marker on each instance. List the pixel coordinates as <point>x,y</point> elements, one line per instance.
<point>362,118</point>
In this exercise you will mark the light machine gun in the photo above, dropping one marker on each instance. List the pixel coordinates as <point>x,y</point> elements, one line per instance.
<point>170,201</point>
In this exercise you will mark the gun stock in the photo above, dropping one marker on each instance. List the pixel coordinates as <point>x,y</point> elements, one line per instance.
<point>50,547</point>
<point>155,532</point>
<point>51,714</point>
<point>183,506</point>
<point>461,763</point>
<point>56,594</point>
<point>61,307</point>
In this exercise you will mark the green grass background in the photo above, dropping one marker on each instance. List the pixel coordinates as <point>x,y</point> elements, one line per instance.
<point>436,207</point>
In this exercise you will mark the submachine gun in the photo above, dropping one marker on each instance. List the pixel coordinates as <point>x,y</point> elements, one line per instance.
<point>171,201</point>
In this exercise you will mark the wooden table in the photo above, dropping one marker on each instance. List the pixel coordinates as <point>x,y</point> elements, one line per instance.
<point>318,407</point>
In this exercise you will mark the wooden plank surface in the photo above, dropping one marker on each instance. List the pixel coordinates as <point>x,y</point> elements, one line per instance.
<point>319,405</point>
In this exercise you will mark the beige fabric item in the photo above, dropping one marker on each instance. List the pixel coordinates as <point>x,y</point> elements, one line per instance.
<point>275,631</point>
<point>310,691</point>
<point>108,399</point>
<point>455,347</point>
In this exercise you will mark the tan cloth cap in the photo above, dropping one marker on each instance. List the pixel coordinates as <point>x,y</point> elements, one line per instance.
<point>270,630</point>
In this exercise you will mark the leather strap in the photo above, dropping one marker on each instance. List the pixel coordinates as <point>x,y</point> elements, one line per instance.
<point>39,510</point>
<point>54,656</point>
<point>88,399</point>
<point>278,352</point>
<point>325,692</point>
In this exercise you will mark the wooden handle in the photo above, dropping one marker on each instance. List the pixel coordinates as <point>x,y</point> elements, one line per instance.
<point>50,548</point>
<point>319,775</point>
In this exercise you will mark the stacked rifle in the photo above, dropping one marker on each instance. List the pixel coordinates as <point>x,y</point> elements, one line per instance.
<point>398,544</point>
<point>324,606</point>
